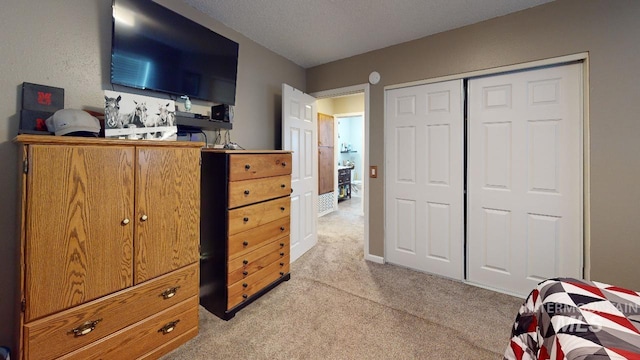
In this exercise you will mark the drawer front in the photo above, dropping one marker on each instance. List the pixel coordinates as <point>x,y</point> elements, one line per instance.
<point>144,336</point>
<point>169,346</point>
<point>254,261</point>
<point>252,191</point>
<point>254,166</point>
<point>249,217</point>
<point>52,336</point>
<point>246,241</point>
<point>244,289</point>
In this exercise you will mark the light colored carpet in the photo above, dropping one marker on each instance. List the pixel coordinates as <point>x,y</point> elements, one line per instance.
<point>339,306</point>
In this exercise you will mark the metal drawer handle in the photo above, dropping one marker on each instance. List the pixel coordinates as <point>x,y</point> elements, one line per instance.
<point>246,192</point>
<point>169,293</point>
<point>281,254</point>
<point>169,327</point>
<point>247,167</point>
<point>85,328</point>
<point>281,244</point>
<point>245,219</point>
<point>245,243</point>
<point>283,186</point>
<point>282,208</point>
<point>281,228</point>
<point>281,264</point>
<point>245,261</point>
<point>244,285</point>
<point>245,296</point>
<point>284,163</point>
<point>245,273</point>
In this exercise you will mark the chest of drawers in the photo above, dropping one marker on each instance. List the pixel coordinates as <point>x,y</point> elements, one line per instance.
<point>245,227</point>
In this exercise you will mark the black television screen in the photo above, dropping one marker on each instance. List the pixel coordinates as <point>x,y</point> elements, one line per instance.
<point>157,49</point>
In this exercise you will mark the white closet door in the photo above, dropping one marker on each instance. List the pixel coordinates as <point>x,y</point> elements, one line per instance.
<point>525,178</point>
<point>424,178</point>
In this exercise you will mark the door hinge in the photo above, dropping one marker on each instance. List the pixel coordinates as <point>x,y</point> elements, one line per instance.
<point>25,166</point>
<point>23,305</point>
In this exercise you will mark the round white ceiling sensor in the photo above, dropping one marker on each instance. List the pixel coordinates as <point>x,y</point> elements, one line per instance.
<point>374,77</point>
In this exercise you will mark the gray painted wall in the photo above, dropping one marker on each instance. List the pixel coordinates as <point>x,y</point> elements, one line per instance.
<point>66,43</point>
<point>608,30</point>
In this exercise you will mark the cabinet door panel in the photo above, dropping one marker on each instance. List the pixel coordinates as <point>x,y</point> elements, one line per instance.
<point>167,210</point>
<point>77,246</point>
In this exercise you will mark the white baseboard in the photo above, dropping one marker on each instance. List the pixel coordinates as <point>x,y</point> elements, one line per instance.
<point>374,258</point>
<point>494,289</point>
<point>326,212</point>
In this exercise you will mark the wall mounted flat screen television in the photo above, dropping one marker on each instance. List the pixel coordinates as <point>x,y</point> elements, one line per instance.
<point>157,49</point>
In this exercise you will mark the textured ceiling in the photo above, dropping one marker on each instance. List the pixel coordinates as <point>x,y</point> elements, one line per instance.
<point>315,32</point>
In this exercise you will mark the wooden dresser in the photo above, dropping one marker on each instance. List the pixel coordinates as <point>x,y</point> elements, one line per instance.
<point>109,247</point>
<point>245,227</point>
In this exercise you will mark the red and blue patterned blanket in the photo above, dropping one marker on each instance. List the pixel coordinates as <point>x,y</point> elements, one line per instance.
<point>571,319</point>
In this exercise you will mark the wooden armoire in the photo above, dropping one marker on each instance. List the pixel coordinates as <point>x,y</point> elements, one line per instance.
<point>109,247</point>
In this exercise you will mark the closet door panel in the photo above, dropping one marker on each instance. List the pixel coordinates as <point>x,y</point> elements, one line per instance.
<point>424,178</point>
<point>525,178</point>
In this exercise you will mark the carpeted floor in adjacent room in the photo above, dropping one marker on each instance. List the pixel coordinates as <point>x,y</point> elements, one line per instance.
<point>339,306</point>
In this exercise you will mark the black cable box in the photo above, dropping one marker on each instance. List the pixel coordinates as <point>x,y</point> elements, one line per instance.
<point>191,115</point>
<point>185,114</point>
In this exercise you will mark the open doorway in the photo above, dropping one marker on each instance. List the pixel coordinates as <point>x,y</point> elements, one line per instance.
<point>348,101</point>
<point>341,152</point>
<point>350,160</point>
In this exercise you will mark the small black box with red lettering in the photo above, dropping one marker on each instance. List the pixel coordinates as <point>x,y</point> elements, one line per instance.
<point>42,97</point>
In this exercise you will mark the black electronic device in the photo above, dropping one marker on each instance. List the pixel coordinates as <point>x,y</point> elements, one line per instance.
<point>222,112</point>
<point>157,49</point>
<point>185,114</point>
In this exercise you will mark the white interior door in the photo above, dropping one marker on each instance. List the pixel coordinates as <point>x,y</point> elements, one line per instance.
<point>525,178</point>
<point>424,178</point>
<point>299,134</point>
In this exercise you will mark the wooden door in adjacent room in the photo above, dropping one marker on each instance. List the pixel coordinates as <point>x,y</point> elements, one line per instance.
<point>326,161</point>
